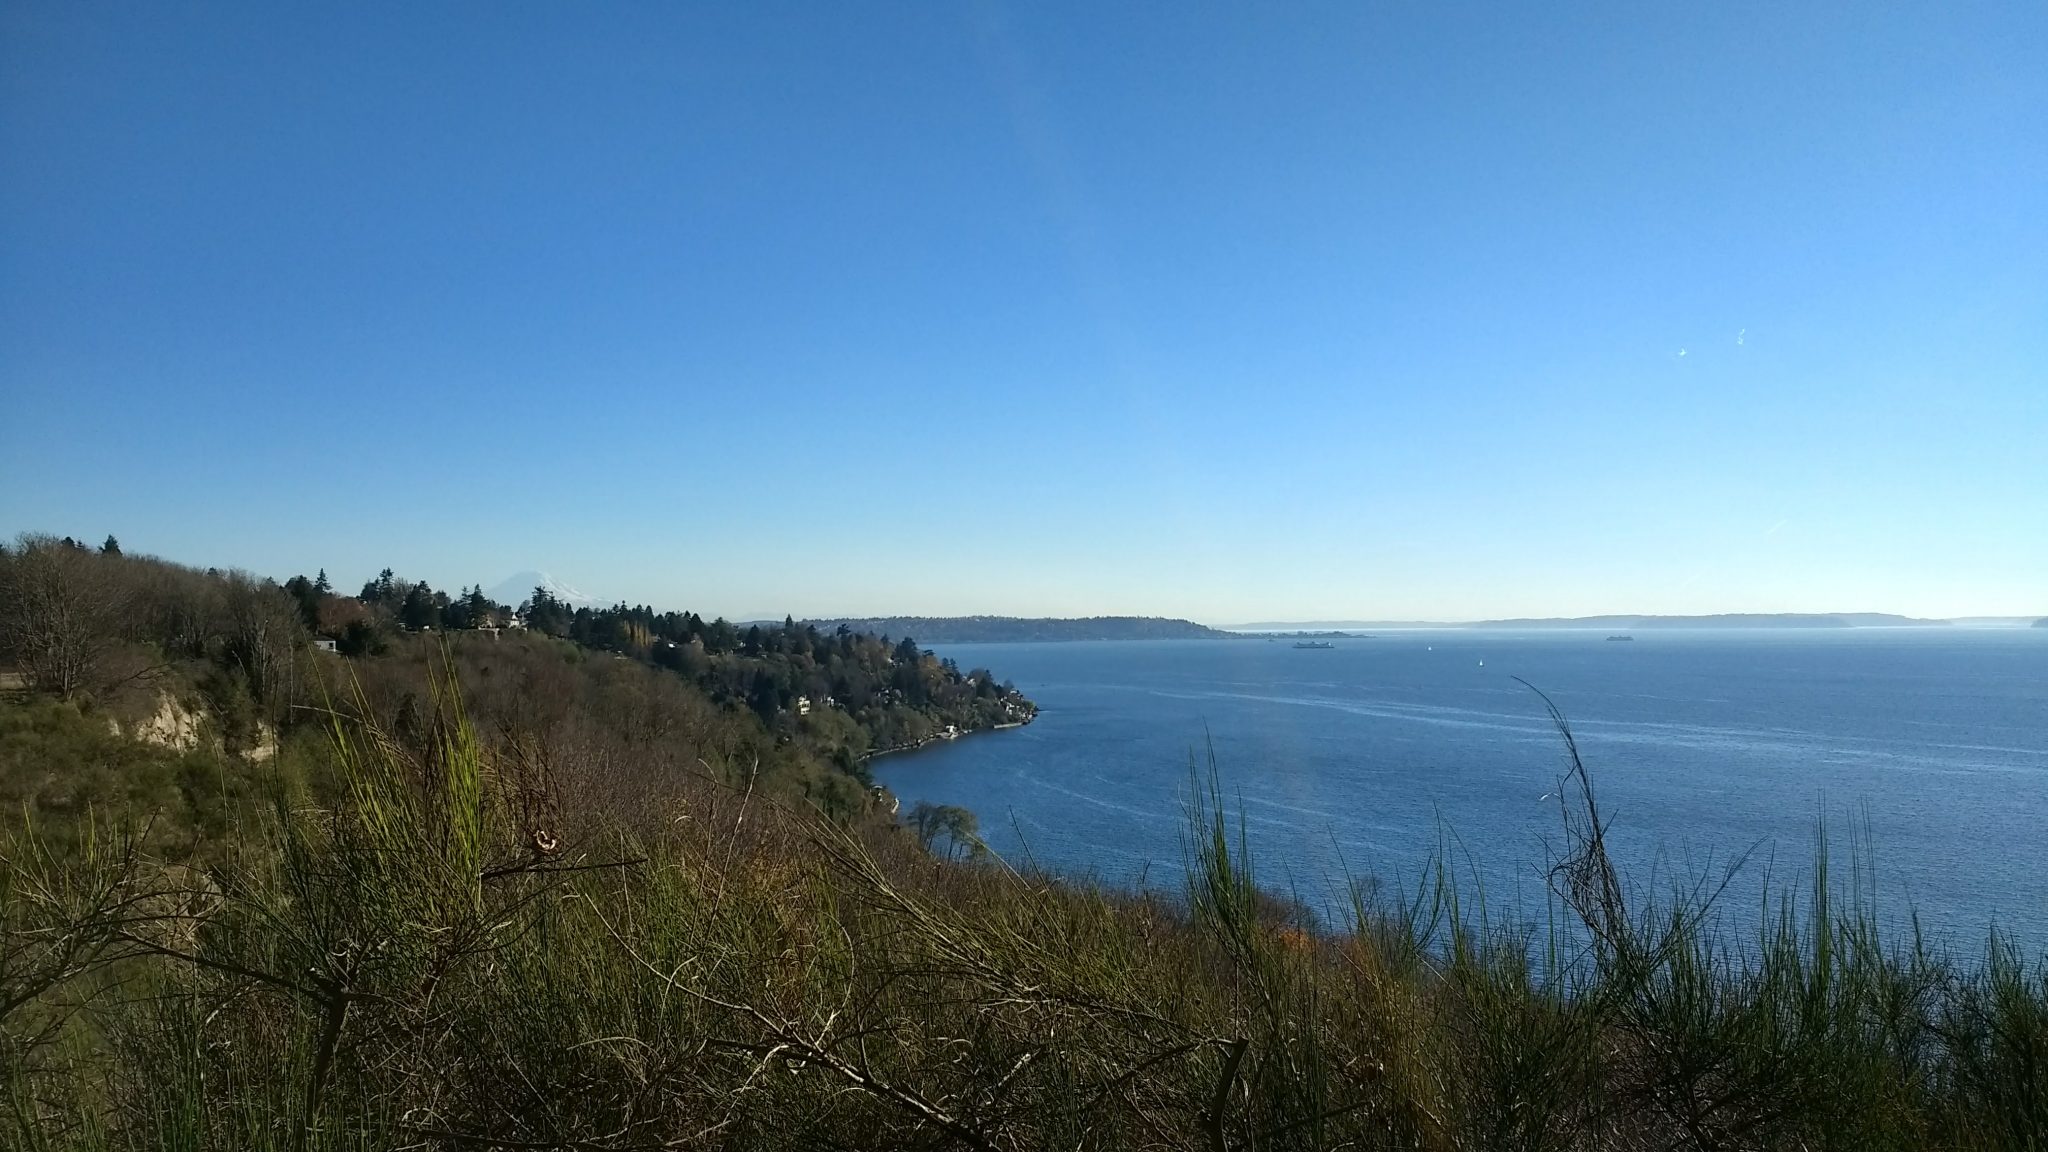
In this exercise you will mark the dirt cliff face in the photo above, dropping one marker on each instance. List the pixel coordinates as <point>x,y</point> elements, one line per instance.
<point>171,725</point>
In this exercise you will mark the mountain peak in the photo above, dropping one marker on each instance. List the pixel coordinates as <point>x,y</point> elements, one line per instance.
<point>518,588</point>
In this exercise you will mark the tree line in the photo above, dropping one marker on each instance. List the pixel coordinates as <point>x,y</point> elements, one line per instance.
<point>79,622</point>
<point>894,692</point>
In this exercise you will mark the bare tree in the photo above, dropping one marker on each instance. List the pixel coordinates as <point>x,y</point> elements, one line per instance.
<point>59,613</point>
<point>261,627</point>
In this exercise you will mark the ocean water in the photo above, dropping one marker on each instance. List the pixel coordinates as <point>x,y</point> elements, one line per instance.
<point>1927,746</point>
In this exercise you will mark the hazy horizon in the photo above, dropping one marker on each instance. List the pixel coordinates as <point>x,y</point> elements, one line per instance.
<point>1444,313</point>
<point>348,582</point>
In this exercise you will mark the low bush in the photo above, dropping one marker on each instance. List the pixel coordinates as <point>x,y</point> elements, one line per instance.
<point>435,956</point>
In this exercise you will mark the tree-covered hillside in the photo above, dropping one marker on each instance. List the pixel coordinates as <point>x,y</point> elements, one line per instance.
<point>136,637</point>
<point>894,691</point>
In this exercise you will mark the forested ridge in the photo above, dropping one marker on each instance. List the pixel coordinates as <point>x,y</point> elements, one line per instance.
<point>794,704</point>
<point>896,693</point>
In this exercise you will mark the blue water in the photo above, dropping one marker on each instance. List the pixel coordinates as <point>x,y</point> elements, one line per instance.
<point>1703,745</point>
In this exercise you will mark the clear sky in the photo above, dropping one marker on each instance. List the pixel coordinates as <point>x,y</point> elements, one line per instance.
<point>1226,311</point>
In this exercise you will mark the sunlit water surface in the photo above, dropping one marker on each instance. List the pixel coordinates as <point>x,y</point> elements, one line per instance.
<point>1704,746</point>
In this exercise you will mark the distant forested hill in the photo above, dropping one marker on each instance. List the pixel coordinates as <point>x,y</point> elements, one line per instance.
<point>996,629</point>
<point>1725,620</point>
<point>2042,622</point>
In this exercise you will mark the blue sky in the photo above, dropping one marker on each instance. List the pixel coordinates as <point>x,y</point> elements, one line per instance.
<point>1233,312</point>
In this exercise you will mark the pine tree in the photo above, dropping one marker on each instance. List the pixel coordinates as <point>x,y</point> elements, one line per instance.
<point>382,590</point>
<point>419,610</point>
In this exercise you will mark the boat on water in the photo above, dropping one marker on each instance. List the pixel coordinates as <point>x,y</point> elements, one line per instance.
<point>1621,637</point>
<point>1314,644</point>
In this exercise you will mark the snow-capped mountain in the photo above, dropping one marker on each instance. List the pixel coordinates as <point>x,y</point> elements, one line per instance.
<point>517,588</point>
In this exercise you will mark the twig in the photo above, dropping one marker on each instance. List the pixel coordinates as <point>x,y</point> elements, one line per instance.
<point>1217,1143</point>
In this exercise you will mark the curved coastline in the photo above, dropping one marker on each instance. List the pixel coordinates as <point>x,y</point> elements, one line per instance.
<point>946,737</point>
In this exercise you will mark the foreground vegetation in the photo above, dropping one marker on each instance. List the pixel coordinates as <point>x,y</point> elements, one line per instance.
<point>586,904</point>
<point>435,940</point>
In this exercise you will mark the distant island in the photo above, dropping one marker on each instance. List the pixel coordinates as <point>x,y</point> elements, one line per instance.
<point>1022,629</point>
<point>1012,629</point>
<point>1726,620</point>
<point>1280,627</point>
<point>2042,622</point>
<point>1625,623</point>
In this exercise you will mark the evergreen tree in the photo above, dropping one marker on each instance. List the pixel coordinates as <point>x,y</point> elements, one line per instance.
<point>418,611</point>
<point>454,610</point>
<point>112,547</point>
<point>307,595</point>
<point>383,590</point>
<point>361,638</point>
<point>544,613</point>
<point>765,696</point>
<point>721,636</point>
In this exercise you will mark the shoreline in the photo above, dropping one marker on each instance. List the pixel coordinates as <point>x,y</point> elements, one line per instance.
<point>874,754</point>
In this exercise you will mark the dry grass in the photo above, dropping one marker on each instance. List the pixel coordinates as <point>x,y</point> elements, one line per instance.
<point>419,963</point>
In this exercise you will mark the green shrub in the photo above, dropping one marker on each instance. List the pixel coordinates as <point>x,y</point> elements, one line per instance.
<point>422,948</point>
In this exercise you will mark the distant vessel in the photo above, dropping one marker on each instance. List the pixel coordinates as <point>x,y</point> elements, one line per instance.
<point>1315,644</point>
<point>1621,637</point>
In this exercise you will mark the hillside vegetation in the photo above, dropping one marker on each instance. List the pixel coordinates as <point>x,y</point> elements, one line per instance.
<point>426,943</point>
<point>147,644</point>
<point>531,895</point>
